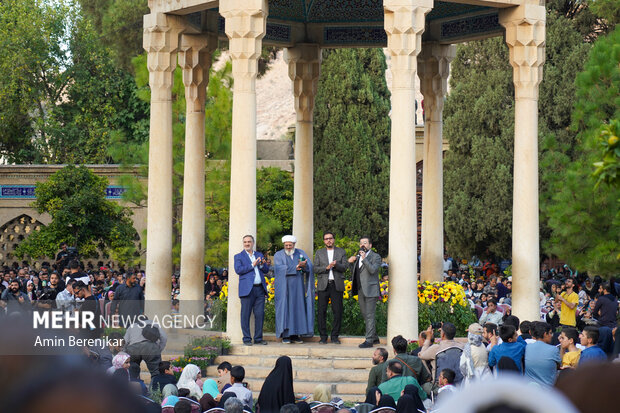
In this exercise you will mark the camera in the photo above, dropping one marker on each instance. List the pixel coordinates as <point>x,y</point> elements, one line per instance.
<point>436,325</point>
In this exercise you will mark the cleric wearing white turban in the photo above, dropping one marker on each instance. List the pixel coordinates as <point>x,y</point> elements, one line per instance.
<point>294,292</point>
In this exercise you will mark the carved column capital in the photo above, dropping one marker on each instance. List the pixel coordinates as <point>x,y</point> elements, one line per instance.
<point>195,59</point>
<point>161,41</point>
<point>304,66</point>
<point>525,37</point>
<point>434,69</point>
<point>246,25</point>
<point>404,25</point>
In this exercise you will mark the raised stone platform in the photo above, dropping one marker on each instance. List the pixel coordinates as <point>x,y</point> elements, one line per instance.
<point>344,367</point>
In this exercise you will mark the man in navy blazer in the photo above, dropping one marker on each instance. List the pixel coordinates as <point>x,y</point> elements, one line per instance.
<point>251,267</point>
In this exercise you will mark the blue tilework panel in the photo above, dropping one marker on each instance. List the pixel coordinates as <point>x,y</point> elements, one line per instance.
<point>27,192</point>
<point>470,26</point>
<point>354,35</point>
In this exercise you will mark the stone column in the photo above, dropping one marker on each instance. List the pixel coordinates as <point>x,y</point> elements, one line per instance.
<point>246,24</point>
<point>404,24</point>
<point>195,59</point>
<point>525,36</point>
<point>434,68</point>
<point>161,41</point>
<point>304,63</point>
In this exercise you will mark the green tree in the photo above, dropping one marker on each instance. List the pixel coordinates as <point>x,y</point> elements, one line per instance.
<point>74,197</point>
<point>119,24</point>
<point>584,218</point>
<point>351,145</point>
<point>479,124</point>
<point>68,99</point>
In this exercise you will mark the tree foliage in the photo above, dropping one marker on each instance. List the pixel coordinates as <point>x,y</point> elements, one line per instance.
<point>81,216</point>
<point>274,187</point>
<point>585,219</point>
<point>68,99</point>
<point>351,145</point>
<point>119,24</point>
<point>479,124</point>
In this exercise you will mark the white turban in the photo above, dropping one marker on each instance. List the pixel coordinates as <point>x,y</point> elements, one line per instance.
<point>289,238</point>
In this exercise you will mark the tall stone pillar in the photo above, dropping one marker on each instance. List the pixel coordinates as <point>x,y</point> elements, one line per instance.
<point>434,68</point>
<point>404,24</point>
<point>525,36</point>
<point>161,41</point>
<point>195,59</point>
<point>304,64</point>
<point>246,24</point>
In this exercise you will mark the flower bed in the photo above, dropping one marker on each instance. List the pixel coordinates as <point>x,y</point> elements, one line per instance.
<point>202,352</point>
<point>442,301</point>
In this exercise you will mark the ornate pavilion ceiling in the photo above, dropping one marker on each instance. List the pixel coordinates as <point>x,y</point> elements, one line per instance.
<point>358,23</point>
<point>351,11</point>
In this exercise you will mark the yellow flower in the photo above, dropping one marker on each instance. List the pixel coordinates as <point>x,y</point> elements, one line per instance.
<point>348,287</point>
<point>355,297</point>
<point>345,295</point>
<point>422,300</point>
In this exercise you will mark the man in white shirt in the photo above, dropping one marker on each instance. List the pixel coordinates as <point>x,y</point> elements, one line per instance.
<point>491,315</point>
<point>330,263</point>
<point>251,267</point>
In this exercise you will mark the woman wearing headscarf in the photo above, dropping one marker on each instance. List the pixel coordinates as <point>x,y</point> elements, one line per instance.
<point>277,389</point>
<point>412,391</point>
<point>386,401</point>
<point>371,401</point>
<point>406,404</point>
<point>120,361</point>
<point>169,401</point>
<point>474,363</point>
<point>207,402</point>
<point>189,375</point>
<point>167,391</point>
<point>210,387</point>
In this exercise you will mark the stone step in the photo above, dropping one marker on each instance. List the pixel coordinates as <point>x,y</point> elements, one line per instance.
<point>307,387</point>
<point>305,374</point>
<point>346,341</point>
<point>298,361</point>
<point>310,350</point>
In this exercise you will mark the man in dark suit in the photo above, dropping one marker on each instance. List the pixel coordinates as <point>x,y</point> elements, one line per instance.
<point>251,267</point>
<point>330,263</point>
<point>365,269</point>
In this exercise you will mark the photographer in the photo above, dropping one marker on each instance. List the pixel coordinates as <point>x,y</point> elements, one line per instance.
<point>76,273</point>
<point>47,298</point>
<point>429,352</point>
<point>64,256</point>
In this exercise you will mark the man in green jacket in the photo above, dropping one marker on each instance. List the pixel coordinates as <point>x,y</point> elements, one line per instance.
<point>412,365</point>
<point>379,359</point>
<point>396,381</point>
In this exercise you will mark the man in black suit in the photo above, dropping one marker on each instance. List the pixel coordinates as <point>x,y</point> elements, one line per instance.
<point>330,263</point>
<point>365,270</point>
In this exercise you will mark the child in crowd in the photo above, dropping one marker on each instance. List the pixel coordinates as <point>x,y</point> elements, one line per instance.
<point>568,348</point>
<point>592,353</point>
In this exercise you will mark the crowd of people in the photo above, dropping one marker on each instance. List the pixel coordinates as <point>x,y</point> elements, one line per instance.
<point>577,327</point>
